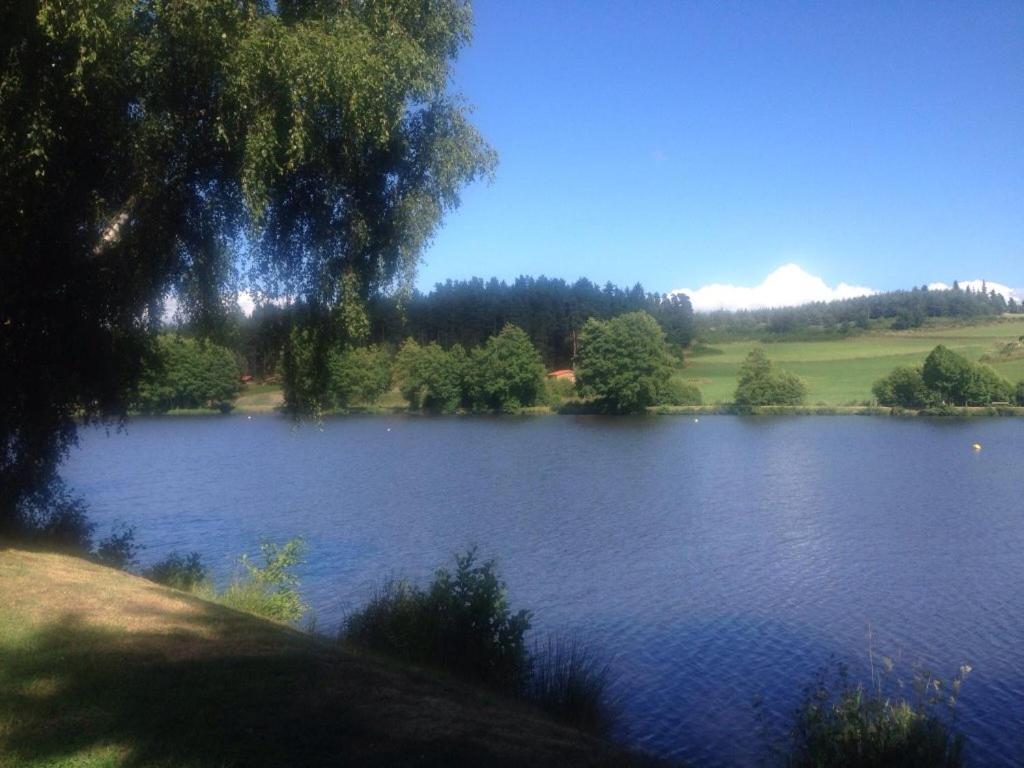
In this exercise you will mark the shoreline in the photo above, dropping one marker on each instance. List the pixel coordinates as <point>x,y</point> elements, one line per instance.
<point>581,409</point>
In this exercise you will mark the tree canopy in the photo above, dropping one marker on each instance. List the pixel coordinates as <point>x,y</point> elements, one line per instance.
<point>194,146</point>
<point>905,388</point>
<point>623,363</point>
<point>431,377</point>
<point>955,380</point>
<point>188,373</point>
<point>506,373</point>
<point>761,383</point>
<point>946,378</point>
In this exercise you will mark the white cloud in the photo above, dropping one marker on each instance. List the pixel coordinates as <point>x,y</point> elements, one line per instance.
<point>787,286</point>
<point>245,300</point>
<point>975,285</point>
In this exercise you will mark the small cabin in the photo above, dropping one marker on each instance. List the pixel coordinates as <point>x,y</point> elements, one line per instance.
<point>564,373</point>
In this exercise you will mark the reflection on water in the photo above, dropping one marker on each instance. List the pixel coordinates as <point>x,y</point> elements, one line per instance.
<point>714,562</point>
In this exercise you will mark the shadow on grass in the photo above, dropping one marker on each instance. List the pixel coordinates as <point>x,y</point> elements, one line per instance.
<point>240,692</point>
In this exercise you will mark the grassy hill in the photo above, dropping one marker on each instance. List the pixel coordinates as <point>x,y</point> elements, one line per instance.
<point>102,668</point>
<point>841,372</point>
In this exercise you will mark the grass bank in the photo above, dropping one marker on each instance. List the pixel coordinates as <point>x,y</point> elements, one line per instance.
<point>102,668</point>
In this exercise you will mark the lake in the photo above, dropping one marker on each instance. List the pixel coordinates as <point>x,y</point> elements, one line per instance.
<point>715,563</point>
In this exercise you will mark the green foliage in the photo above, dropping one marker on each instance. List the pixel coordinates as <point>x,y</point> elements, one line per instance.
<point>841,725</point>
<point>760,383</point>
<point>955,380</point>
<point>184,572</point>
<point>188,373</point>
<point>678,391</point>
<point>145,146</point>
<point>506,373</point>
<point>271,589</point>
<point>52,519</point>
<point>623,362</point>
<point>835,319</point>
<point>460,623</point>
<point>549,310</point>
<point>1018,393</point>
<point>557,391</point>
<point>305,370</point>
<point>119,549</point>
<point>359,374</point>
<point>904,388</point>
<point>431,377</point>
<point>988,387</point>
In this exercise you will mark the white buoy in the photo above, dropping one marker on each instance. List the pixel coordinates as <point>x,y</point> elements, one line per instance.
<point>976,446</point>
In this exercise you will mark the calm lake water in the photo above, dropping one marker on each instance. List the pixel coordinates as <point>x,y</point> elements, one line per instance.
<point>714,563</point>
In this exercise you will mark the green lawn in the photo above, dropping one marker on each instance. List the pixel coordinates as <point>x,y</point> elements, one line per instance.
<point>841,372</point>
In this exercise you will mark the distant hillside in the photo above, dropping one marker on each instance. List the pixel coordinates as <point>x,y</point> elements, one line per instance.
<point>892,310</point>
<point>840,370</point>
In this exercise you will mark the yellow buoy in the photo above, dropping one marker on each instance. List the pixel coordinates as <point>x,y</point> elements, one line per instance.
<point>976,446</point>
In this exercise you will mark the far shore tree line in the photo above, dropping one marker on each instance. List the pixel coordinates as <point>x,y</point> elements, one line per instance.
<point>623,365</point>
<point>894,310</point>
<point>552,313</point>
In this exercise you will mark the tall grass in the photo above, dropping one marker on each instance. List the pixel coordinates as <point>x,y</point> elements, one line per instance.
<point>572,684</point>
<point>850,725</point>
<point>269,590</point>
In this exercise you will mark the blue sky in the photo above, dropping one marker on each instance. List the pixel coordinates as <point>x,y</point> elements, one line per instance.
<point>679,144</point>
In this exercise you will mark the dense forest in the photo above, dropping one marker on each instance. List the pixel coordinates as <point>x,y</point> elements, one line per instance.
<point>552,312</point>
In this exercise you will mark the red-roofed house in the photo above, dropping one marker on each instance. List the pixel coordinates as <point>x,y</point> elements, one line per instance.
<point>565,373</point>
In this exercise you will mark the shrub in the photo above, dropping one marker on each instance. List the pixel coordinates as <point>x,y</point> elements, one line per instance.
<point>119,549</point>
<point>680,392</point>
<point>53,519</point>
<point>572,685</point>
<point>270,590</point>
<point>623,362</point>
<point>184,572</point>
<point>904,388</point>
<point>557,391</point>
<point>431,377</point>
<point>359,374</point>
<point>506,373</point>
<point>461,623</point>
<point>845,725</point>
<point>955,380</point>
<point>987,386</point>
<point>188,373</point>
<point>1019,393</point>
<point>760,383</point>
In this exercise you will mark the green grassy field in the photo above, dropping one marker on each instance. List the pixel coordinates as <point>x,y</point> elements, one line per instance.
<point>841,372</point>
